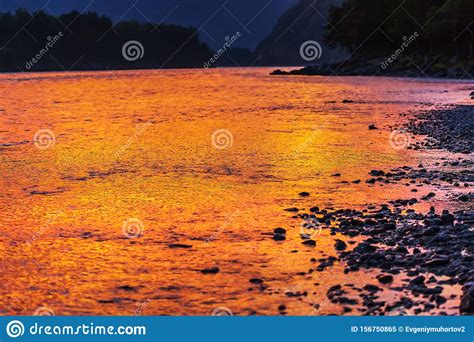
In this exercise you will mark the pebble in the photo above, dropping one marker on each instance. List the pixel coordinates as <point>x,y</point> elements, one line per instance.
<point>128,288</point>
<point>212,270</point>
<point>179,245</point>
<point>434,249</point>
<point>385,278</point>
<point>467,301</point>
<point>372,288</point>
<point>340,245</point>
<point>256,281</point>
<point>418,280</point>
<point>280,231</point>
<point>279,237</point>
<point>309,243</point>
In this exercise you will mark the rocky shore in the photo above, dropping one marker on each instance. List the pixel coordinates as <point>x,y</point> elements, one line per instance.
<point>426,251</point>
<point>404,66</point>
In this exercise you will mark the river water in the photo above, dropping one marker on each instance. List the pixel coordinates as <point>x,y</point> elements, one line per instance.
<point>102,173</point>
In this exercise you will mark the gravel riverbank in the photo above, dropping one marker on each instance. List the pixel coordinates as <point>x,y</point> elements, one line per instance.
<point>430,251</point>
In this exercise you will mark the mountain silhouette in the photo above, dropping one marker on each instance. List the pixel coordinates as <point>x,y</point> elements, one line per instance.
<point>304,22</point>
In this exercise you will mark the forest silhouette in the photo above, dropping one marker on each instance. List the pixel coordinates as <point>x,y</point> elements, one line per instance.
<point>77,41</point>
<point>444,30</point>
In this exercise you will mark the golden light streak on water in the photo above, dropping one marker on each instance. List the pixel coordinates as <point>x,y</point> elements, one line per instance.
<point>138,145</point>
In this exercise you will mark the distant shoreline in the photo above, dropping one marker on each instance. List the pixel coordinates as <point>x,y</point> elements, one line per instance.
<point>405,66</point>
<point>277,71</point>
<point>2,72</point>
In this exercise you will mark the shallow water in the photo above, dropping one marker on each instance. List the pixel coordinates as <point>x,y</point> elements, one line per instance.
<point>139,145</point>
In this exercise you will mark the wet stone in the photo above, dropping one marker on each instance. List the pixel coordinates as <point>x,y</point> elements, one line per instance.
<point>309,243</point>
<point>279,231</point>
<point>279,237</point>
<point>340,245</point>
<point>385,278</point>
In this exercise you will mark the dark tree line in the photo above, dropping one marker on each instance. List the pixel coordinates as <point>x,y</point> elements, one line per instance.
<point>40,41</point>
<point>372,28</point>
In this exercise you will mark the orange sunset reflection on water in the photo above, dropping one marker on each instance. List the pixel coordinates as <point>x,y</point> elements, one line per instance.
<point>139,145</point>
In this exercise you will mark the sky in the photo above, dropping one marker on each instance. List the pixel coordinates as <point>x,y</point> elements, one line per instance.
<point>254,19</point>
